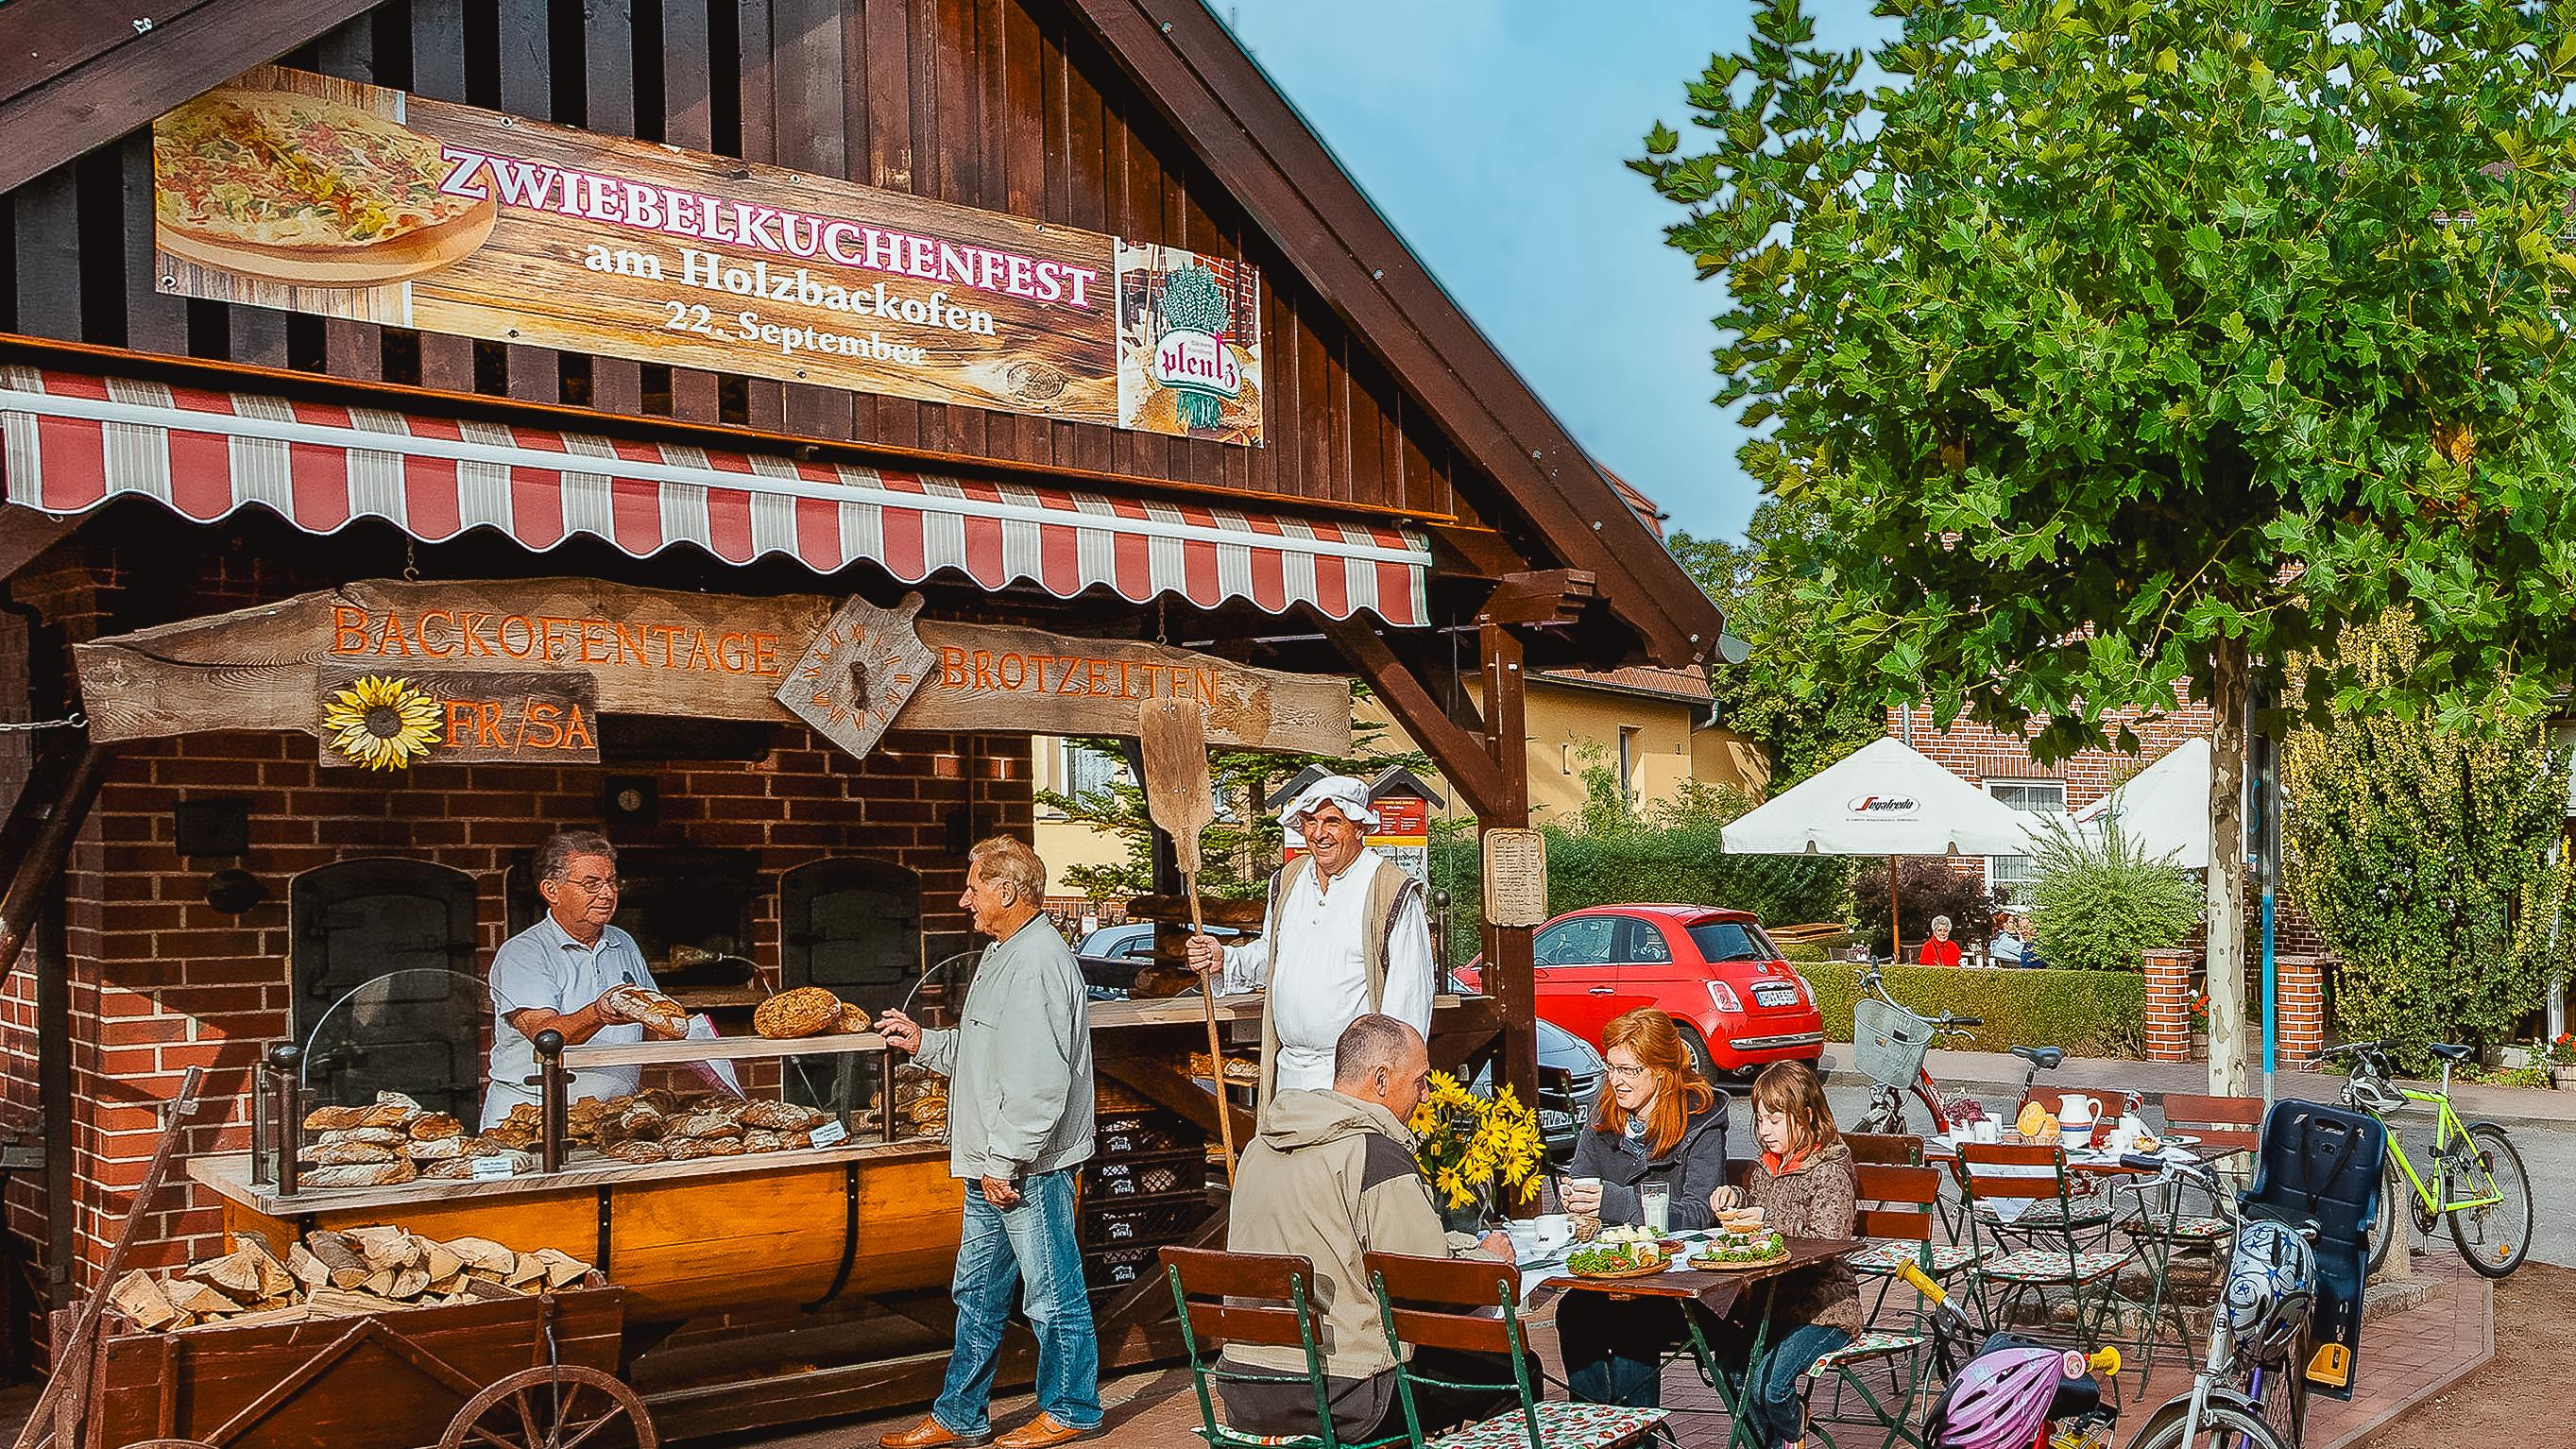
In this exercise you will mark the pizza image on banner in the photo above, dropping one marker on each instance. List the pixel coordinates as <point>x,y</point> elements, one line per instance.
<point>1189,344</point>
<point>305,190</point>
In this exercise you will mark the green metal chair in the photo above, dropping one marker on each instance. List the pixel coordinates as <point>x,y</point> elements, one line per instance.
<point>1252,1300</point>
<point>1472,1305</point>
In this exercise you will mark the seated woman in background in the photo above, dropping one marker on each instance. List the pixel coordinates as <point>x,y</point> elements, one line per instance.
<point>1659,1125</point>
<point>1806,1188</point>
<point>1940,950</point>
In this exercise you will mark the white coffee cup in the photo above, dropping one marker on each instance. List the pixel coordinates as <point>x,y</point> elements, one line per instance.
<point>1990,1130</point>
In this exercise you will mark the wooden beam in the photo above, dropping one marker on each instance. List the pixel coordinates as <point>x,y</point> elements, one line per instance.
<point>94,98</point>
<point>1463,758</point>
<point>1548,596</point>
<point>1150,1079</point>
<point>25,533</point>
<point>1510,957</point>
<point>56,824</point>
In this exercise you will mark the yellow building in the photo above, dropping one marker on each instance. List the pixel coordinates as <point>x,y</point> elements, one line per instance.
<point>1648,727</point>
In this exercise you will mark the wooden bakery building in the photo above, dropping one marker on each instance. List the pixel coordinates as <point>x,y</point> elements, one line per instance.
<point>736,427</point>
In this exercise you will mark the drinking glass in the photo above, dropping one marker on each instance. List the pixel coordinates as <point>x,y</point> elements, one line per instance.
<point>1657,1198</point>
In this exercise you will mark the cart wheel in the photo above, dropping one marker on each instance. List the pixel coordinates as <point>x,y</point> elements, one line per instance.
<point>562,1407</point>
<point>171,1444</point>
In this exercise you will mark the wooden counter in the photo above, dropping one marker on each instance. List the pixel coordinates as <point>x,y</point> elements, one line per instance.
<point>759,1232</point>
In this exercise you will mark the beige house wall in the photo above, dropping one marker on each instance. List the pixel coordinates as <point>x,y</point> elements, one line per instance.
<point>1667,746</point>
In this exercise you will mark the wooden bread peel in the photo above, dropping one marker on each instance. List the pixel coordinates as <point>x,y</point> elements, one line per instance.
<point>1178,798</point>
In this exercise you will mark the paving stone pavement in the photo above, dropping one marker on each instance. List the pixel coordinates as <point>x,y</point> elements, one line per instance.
<point>2404,1357</point>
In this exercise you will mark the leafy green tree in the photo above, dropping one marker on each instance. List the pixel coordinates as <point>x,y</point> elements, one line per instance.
<point>2102,904</point>
<point>2427,859</point>
<point>1780,698</point>
<point>2119,345</point>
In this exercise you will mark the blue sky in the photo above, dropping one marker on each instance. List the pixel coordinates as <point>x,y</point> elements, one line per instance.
<point>1492,134</point>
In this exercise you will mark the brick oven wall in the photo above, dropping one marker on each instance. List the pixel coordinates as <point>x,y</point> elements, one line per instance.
<point>160,981</point>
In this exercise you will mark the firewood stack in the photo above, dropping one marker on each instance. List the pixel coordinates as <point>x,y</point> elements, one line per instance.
<point>337,1275</point>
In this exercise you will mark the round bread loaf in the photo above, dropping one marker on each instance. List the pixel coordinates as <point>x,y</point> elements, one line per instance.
<point>801,1012</point>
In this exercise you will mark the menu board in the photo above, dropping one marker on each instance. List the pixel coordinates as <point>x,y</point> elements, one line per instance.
<point>312,194</point>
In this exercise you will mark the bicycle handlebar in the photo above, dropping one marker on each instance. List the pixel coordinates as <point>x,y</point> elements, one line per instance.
<point>1961,1021</point>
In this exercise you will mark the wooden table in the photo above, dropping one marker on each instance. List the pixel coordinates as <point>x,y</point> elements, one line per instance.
<point>1717,1291</point>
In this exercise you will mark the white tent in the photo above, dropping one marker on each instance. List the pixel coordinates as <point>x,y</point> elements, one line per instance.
<point>1885,798</point>
<point>2164,807</point>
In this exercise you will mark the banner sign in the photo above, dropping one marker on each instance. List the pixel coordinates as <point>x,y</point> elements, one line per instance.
<point>311,194</point>
<point>520,669</point>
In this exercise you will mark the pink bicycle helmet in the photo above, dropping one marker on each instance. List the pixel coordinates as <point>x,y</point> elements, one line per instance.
<point>2000,1399</point>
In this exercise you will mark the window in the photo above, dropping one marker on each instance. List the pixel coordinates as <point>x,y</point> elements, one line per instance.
<point>1628,764</point>
<point>1732,941</point>
<point>1646,944</point>
<point>1583,941</point>
<point>2017,876</point>
<point>1086,771</point>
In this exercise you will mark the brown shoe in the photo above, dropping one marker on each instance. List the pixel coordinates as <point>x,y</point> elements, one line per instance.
<point>931,1434</point>
<point>1042,1432</point>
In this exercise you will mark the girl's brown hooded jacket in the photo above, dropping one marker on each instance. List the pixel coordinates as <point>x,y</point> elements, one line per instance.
<point>1816,1199</point>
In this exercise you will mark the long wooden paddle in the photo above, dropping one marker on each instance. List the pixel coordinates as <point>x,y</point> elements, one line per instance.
<point>1178,797</point>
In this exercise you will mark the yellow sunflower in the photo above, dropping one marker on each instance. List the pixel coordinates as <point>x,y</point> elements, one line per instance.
<point>381,722</point>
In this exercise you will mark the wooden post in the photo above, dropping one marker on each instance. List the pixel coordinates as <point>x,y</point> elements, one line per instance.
<point>1510,961</point>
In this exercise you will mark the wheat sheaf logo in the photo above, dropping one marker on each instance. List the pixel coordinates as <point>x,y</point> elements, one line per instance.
<point>381,722</point>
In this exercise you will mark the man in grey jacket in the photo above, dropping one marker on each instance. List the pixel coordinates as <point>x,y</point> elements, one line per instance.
<point>1019,1124</point>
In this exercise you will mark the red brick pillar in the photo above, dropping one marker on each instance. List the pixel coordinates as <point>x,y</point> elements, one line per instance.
<point>2300,984</point>
<point>2169,1006</point>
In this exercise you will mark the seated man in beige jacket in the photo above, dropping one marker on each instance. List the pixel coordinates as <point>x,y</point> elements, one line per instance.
<point>1331,1177</point>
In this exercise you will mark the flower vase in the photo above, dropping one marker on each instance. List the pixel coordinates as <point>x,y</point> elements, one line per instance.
<point>1469,1218</point>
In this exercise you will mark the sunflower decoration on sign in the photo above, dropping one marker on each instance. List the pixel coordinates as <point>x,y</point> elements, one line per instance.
<point>381,722</point>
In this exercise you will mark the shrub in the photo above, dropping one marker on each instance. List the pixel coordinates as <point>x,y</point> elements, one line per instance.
<point>2421,849</point>
<point>1926,887</point>
<point>1683,862</point>
<point>2097,1013</point>
<point>2102,904</point>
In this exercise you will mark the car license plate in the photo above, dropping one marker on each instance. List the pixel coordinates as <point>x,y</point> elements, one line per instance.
<point>1775,994</point>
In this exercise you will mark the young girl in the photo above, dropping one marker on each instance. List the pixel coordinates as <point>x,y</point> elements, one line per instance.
<point>1805,1187</point>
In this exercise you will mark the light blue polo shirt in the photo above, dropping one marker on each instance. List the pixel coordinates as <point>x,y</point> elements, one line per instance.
<point>546,968</point>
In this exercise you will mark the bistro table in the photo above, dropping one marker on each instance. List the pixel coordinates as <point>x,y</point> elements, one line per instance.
<point>1717,1291</point>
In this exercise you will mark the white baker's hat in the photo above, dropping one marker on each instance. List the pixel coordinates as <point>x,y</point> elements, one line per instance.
<point>1342,790</point>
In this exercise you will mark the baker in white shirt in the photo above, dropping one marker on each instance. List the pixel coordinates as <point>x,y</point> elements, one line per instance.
<point>1346,935</point>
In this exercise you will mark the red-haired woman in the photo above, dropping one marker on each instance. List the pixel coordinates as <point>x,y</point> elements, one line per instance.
<point>1658,1124</point>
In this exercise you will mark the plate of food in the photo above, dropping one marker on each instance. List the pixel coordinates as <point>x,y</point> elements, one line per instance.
<point>1730,1252</point>
<point>1604,1259</point>
<point>304,190</point>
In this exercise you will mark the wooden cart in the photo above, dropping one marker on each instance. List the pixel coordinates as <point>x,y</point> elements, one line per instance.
<point>527,1373</point>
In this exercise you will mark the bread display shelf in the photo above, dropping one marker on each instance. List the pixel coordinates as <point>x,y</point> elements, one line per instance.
<point>229,1176</point>
<point>711,1049</point>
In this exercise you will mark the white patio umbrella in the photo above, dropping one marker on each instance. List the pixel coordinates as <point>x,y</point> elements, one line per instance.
<point>1885,798</point>
<point>2163,808</point>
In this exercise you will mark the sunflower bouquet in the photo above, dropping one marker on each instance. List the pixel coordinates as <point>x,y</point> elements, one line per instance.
<point>1476,1148</point>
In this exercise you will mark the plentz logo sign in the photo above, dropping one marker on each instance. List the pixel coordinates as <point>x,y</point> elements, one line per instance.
<point>1893,807</point>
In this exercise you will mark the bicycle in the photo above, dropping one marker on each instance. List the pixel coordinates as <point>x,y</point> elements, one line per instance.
<point>1889,1043</point>
<point>2250,1392</point>
<point>2009,1390</point>
<point>2491,1217</point>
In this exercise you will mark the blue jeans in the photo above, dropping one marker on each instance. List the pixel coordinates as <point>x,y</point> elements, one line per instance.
<point>1771,1406</point>
<point>1031,1244</point>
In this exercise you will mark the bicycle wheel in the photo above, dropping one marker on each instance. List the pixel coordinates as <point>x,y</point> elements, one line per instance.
<point>2391,1227</point>
<point>2285,1399</point>
<point>2496,1237</point>
<point>2222,1426</point>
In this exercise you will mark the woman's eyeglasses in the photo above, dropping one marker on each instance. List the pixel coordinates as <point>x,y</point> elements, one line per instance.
<point>1628,1074</point>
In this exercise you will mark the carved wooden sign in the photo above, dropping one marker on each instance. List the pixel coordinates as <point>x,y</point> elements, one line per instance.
<point>661,652</point>
<point>860,669</point>
<point>389,719</point>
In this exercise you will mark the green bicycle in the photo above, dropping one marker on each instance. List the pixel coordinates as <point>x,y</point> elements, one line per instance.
<point>2478,1180</point>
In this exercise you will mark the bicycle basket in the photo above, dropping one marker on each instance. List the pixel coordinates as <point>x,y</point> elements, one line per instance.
<point>1888,1042</point>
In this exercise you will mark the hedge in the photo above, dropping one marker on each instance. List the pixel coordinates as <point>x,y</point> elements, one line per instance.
<point>2093,1013</point>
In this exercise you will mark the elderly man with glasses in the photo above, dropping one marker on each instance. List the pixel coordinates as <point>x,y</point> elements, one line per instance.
<point>557,975</point>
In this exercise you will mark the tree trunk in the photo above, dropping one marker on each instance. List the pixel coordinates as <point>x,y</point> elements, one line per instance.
<point>2226,981</point>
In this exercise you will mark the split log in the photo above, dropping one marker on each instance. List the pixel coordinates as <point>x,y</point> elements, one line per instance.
<point>484,1256</point>
<point>386,1247</point>
<point>562,1268</point>
<point>526,1269</point>
<point>236,1273</point>
<point>305,1268</point>
<point>141,1299</point>
<point>438,1260</point>
<point>202,1299</point>
<point>347,1265</point>
<point>408,1284</point>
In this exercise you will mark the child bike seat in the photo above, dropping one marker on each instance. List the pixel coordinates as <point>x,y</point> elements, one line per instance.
<point>2322,1164</point>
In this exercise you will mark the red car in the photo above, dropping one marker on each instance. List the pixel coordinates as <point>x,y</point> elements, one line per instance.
<point>1738,1004</point>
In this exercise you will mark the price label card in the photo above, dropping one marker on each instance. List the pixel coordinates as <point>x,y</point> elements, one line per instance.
<point>491,1169</point>
<point>830,1134</point>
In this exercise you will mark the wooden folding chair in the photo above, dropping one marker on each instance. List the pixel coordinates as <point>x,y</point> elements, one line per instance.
<point>1472,1305</point>
<point>2009,1183</point>
<point>1896,1149</point>
<point>1252,1300</point>
<point>1896,1219</point>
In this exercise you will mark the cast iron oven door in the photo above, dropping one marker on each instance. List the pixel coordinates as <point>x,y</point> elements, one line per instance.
<point>359,920</point>
<point>853,926</point>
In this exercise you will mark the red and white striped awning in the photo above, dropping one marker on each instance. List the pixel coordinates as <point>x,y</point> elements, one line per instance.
<point>74,441</point>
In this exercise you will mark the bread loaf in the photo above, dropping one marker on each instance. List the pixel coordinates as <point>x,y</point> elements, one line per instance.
<point>762,1140</point>
<point>430,1125</point>
<point>854,1019</point>
<point>373,1136</point>
<point>646,1006</point>
<point>805,1011</point>
<point>779,1116</point>
<point>364,1174</point>
<point>637,1150</point>
<point>436,1149</point>
<point>346,1154</point>
<point>327,1119</point>
<point>703,1125</point>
